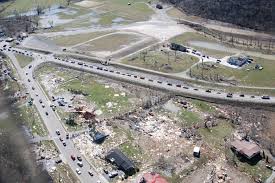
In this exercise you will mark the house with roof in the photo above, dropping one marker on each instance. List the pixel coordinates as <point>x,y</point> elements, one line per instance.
<point>116,157</point>
<point>245,148</point>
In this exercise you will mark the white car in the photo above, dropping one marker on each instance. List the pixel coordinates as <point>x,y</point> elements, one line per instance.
<point>78,171</point>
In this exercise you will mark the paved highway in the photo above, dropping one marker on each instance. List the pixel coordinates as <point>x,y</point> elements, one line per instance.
<point>51,120</point>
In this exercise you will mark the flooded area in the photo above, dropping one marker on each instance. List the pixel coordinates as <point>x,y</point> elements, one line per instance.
<point>16,157</point>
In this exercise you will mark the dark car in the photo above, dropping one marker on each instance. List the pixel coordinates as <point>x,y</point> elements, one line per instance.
<point>241,95</point>
<point>79,158</point>
<point>30,66</point>
<point>73,157</point>
<point>46,113</point>
<point>265,97</point>
<point>229,95</point>
<point>208,91</point>
<point>64,144</point>
<point>67,136</point>
<point>57,132</point>
<point>58,161</point>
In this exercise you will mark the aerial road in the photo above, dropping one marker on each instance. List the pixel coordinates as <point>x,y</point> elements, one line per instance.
<point>54,125</point>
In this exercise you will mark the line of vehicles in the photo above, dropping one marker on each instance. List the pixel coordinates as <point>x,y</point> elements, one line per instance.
<point>228,95</point>
<point>73,157</point>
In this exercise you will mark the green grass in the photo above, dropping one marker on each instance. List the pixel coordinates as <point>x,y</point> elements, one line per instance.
<point>215,136</point>
<point>203,106</point>
<point>252,170</point>
<point>27,5</point>
<point>192,36</point>
<point>76,39</point>
<point>32,120</point>
<point>263,78</point>
<point>130,150</point>
<point>189,118</point>
<point>110,43</point>
<point>137,11</point>
<point>98,94</point>
<point>158,61</point>
<point>23,60</point>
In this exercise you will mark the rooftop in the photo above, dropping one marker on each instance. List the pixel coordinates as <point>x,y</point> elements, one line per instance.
<point>246,148</point>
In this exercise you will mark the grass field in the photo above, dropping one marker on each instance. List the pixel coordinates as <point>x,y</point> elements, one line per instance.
<point>76,39</point>
<point>215,136</point>
<point>111,43</point>
<point>158,61</point>
<point>260,78</point>
<point>137,11</point>
<point>23,60</point>
<point>189,118</point>
<point>192,36</point>
<point>100,95</point>
<point>32,120</point>
<point>27,5</point>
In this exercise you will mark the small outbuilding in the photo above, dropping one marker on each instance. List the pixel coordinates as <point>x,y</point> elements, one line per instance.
<point>123,163</point>
<point>245,148</point>
<point>196,152</point>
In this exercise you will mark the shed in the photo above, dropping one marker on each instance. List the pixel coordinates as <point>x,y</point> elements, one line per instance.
<point>123,163</point>
<point>196,151</point>
<point>245,148</point>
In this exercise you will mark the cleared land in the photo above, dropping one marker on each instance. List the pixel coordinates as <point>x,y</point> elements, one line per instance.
<point>246,76</point>
<point>23,60</point>
<point>163,61</point>
<point>191,36</point>
<point>72,40</point>
<point>110,42</point>
<point>27,5</point>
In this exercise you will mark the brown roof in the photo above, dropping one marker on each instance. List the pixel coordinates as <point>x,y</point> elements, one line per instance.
<point>246,148</point>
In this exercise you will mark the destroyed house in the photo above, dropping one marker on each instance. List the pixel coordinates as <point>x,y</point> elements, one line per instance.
<point>123,163</point>
<point>245,148</point>
<point>178,47</point>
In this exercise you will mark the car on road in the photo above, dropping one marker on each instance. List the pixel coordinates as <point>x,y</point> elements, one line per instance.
<point>30,66</point>
<point>229,95</point>
<point>29,80</point>
<point>265,97</point>
<point>67,136</point>
<point>58,161</point>
<point>40,101</point>
<point>36,94</point>
<point>61,139</point>
<point>64,143</point>
<point>57,132</point>
<point>33,88</point>
<point>208,91</point>
<point>80,164</point>
<point>252,96</point>
<point>43,105</point>
<point>73,157</point>
<point>46,113</point>
<point>78,171</point>
<point>79,158</point>
<point>241,95</point>
<point>90,173</point>
<point>27,73</point>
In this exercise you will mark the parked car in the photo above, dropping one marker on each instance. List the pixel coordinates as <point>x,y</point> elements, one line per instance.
<point>229,95</point>
<point>79,158</point>
<point>64,144</point>
<point>58,161</point>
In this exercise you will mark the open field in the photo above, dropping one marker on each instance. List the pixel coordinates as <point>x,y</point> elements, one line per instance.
<point>245,76</point>
<point>192,36</point>
<point>163,61</point>
<point>27,5</point>
<point>72,40</point>
<point>23,60</point>
<point>110,43</point>
<point>137,11</point>
<point>32,120</point>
